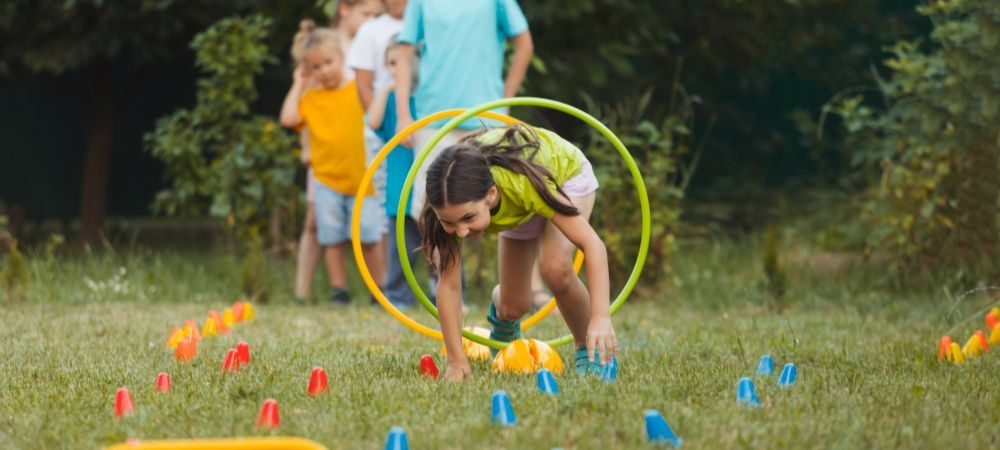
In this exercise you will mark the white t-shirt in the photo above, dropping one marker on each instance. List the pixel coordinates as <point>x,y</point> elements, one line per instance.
<point>368,49</point>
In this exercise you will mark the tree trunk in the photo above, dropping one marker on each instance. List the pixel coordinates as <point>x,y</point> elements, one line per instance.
<point>93,202</point>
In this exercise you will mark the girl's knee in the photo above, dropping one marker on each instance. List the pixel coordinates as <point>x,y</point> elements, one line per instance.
<point>511,307</point>
<point>557,275</point>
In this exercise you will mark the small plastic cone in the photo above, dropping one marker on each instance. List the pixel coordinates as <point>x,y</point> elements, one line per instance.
<point>123,403</point>
<point>243,352</point>
<point>956,354</point>
<point>175,337</point>
<point>268,418</point>
<point>991,320</point>
<point>944,346</point>
<point>766,366</point>
<point>397,439</point>
<point>994,336</point>
<point>502,410</point>
<point>996,311</point>
<point>546,382</point>
<point>218,322</point>
<point>427,366</point>
<point>248,313</point>
<point>210,328</point>
<point>228,319</point>
<point>746,393</point>
<point>191,329</point>
<point>187,349</point>
<point>983,342</point>
<point>318,383</point>
<point>163,382</point>
<point>657,430</point>
<point>238,311</point>
<point>788,374</point>
<point>972,347</point>
<point>231,363</point>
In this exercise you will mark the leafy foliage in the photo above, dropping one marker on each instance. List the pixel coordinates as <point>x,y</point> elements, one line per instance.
<point>221,159</point>
<point>663,148</point>
<point>934,149</point>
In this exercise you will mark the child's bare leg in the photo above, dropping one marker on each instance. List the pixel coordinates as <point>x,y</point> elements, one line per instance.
<point>512,297</point>
<point>336,266</point>
<point>308,258</point>
<point>372,251</point>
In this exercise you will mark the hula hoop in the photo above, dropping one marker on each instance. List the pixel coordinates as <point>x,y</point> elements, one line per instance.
<point>543,103</point>
<point>359,256</point>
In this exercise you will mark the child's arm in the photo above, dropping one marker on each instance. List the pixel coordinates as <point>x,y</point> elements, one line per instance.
<point>449,302</point>
<point>600,332</point>
<point>376,112</point>
<point>404,74</point>
<point>524,48</point>
<point>290,116</point>
<point>305,157</point>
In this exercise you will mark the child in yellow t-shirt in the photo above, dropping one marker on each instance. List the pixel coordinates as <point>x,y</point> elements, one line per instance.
<point>335,118</point>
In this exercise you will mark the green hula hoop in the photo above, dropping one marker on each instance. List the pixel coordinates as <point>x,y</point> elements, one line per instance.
<point>419,158</point>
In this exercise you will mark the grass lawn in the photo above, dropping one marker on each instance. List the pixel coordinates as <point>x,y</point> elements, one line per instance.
<point>866,357</point>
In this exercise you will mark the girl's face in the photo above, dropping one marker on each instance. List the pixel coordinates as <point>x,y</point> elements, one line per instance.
<point>468,220</point>
<point>391,56</point>
<point>324,63</point>
<point>352,17</point>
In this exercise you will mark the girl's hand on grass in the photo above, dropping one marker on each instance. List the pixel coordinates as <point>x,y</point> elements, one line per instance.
<point>457,372</point>
<point>601,337</point>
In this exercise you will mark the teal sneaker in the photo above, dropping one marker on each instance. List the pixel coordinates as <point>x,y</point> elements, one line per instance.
<point>586,367</point>
<point>502,330</point>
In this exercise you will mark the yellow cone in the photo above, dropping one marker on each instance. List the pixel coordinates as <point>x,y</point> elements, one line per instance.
<point>955,354</point>
<point>248,313</point>
<point>210,328</point>
<point>994,336</point>
<point>474,350</point>
<point>175,337</point>
<point>227,317</point>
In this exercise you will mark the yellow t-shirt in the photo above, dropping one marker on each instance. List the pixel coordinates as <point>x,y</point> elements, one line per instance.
<point>336,122</point>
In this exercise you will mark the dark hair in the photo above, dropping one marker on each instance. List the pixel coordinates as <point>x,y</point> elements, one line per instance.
<point>461,174</point>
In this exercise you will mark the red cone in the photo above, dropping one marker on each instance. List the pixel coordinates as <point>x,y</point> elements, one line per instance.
<point>231,363</point>
<point>982,340</point>
<point>243,352</point>
<point>944,347</point>
<point>268,417</point>
<point>163,382</point>
<point>317,382</point>
<point>428,367</point>
<point>991,320</point>
<point>123,402</point>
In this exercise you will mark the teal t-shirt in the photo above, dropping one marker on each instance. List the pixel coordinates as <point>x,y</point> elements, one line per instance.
<point>519,201</point>
<point>461,45</point>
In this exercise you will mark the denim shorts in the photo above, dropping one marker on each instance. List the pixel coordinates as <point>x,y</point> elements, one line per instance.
<point>580,185</point>
<point>333,217</point>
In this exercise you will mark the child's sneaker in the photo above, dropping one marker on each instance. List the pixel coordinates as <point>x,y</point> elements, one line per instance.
<point>502,330</point>
<point>340,297</point>
<point>584,366</point>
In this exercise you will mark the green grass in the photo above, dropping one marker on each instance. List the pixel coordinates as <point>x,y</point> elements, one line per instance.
<point>866,355</point>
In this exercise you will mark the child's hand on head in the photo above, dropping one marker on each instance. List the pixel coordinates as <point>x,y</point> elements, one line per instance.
<point>301,74</point>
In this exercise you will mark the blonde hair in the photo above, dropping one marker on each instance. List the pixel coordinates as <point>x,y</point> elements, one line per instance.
<point>298,51</point>
<point>310,36</point>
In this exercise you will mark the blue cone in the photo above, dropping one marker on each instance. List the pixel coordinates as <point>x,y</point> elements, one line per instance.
<point>503,412</point>
<point>766,366</point>
<point>745,392</point>
<point>397,439</point>
<point>657,430</point>
<point>609,373</point>
<point>547,382</point>
<point>788,374</point>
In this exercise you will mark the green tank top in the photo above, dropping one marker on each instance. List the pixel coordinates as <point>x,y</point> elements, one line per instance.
<point>519,201</point>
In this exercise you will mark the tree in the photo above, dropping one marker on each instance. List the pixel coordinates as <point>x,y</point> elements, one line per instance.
<point>114,44</point>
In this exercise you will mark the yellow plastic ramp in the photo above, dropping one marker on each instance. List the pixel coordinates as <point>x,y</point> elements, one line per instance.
<point>249,443</point>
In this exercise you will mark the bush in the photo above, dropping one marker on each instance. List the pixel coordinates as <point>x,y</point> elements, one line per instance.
<point>933,150</point>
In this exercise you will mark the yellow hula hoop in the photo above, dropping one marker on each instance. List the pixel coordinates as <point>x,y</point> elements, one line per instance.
<point>359,256</point>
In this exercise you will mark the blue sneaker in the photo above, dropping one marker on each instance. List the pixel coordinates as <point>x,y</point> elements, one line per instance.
<point>585,366</point>
<point>502,330</point>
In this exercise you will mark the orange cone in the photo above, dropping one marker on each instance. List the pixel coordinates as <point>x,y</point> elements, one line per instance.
<point>318,383</point>
<point>944,347</point>
<point>243,352</point>
<point>268,418</point>
<point>982,340</point>
<point>187,349</point>
<point>231,363</point>
<point>123,403</point>
<point>163,382</point>
<point>191,328</point>
<point>991,320</point>
<point>238,310</point>
<point>218,321</point>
